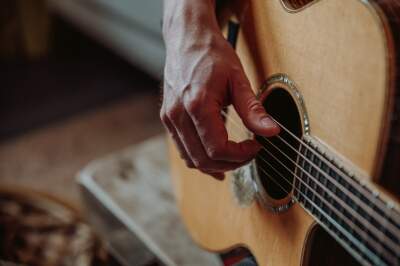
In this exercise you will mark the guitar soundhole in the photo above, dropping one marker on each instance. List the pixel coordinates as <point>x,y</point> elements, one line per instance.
<point>276,162</point>
<point>322,249</point>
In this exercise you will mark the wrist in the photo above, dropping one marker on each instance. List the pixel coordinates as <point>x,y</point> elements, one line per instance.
<point>189,16</point>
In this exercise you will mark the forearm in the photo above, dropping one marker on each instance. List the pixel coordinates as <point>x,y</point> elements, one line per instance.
<point>188,18</point>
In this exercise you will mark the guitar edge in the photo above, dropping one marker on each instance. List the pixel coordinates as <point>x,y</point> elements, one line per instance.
<point>324,57</point>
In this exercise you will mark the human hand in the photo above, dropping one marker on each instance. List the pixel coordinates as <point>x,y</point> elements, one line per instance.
<point>203,75</point>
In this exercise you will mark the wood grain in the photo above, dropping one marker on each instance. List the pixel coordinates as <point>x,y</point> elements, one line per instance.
<point>339,53</point>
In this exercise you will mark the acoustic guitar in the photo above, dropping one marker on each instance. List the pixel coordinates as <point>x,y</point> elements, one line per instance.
<point>325,191</point>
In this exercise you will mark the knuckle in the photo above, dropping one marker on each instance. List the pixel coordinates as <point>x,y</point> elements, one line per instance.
<point>193,106</point>
<point>197,163</point>
<point>255,105</point>
<point>173,113</point>
<point>195,99</point>
<point>200,163</point>
<point>215,152</point>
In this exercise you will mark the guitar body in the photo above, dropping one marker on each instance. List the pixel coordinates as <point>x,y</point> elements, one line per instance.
<point>340,57</point>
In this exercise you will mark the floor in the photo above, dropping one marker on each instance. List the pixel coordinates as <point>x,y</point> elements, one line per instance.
<point>59,113</point>
<point>47,159</point>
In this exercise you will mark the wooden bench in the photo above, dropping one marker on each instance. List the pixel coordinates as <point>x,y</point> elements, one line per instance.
<point>129,201</point>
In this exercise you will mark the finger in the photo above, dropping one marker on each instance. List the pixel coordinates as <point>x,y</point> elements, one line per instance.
<point>249,108</point>
<point>183,153</point>
<point>175,137</point>
<point>191,141</point>
<point>211,129</point>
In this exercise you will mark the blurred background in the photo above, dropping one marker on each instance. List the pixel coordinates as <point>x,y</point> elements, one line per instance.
<point>79,79</point>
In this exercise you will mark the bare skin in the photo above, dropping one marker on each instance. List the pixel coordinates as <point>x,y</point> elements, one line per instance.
<point>202,75</point>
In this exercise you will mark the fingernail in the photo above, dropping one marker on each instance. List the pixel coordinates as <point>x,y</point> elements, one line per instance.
<point>268,122</point>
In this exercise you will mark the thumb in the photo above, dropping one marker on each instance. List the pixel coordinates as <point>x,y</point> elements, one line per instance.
<point>249,108</point>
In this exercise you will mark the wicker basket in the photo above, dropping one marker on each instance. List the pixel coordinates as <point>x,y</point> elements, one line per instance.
<point>38,229</point>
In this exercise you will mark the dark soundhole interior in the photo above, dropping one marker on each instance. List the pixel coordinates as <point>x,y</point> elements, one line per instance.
<point>322,249</point>
<point>276,161</point>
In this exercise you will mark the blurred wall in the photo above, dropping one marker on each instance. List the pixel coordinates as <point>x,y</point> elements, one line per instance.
<point>132,28</point>
<point>24,28</point>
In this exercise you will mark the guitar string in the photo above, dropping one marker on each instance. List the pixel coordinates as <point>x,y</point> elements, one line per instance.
<point>348,235</point>
<point>224,113</point>
<point>362,248</point>
<point>323,188</point>
<point>339,171</point>
<point>382,205</point>
<point>340,228</point>
<point>343,189</point>
<point>394,17</point>
<point>386,208</point>
<point>317,182</point>
<point>363,236</point>
<point>359,231</point>
<point>348,178</point>
<point>377,233</point>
